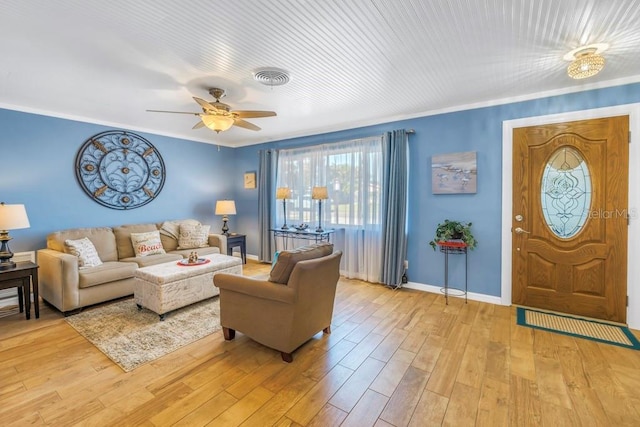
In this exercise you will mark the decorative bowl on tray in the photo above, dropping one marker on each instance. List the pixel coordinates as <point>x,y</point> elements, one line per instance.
<point>301,227</point>
<point>199,261</point>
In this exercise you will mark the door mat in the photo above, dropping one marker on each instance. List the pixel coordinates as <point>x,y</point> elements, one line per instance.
<point>577,327</point>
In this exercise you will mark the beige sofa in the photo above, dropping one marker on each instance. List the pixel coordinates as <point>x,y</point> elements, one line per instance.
<point>66,286</point>
<point>290,307</point>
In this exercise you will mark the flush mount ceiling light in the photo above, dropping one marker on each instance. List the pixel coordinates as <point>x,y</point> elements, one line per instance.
<point>586,61</point>
<point>271,76</point>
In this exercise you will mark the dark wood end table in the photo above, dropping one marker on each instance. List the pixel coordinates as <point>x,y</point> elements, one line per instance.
<point>237,240</point>
<point>21,277</point>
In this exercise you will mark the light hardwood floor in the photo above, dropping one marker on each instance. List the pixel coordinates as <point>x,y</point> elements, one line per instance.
<point>395,357</point>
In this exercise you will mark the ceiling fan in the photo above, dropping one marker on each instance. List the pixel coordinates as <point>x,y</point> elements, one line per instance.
<point>219,116</point>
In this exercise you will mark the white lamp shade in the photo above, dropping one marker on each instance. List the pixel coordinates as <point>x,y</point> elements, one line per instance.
<point>283,193</point>
<point>13,217</point>
<point>217,123</point>
<point>319,193</point>
<point>225,207</point>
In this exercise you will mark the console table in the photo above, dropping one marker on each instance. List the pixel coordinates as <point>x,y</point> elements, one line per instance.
<point>21,277</point>
<point>294,233</point>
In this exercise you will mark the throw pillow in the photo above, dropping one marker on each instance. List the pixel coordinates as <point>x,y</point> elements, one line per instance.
<point>287,260</point>
<point>171,229</point>
<point>147,243</point>
<point>193,236</point>
<point>85,251</point>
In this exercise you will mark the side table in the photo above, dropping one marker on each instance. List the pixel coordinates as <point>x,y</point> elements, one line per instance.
<point>21,277</point>
<point>235,240</point>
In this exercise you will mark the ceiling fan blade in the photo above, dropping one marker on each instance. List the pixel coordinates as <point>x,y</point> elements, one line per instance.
<point>198,125</point>
<point>244,124</point>
<point>244,114</point>
<point>204,104</point>
<point>174,112</point>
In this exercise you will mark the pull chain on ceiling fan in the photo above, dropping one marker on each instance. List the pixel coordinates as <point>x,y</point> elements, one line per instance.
<point>219,116</point>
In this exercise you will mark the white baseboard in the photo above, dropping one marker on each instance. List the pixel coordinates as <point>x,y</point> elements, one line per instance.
<point>470,295</point>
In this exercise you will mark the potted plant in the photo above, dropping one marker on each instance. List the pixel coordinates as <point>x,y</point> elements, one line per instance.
<point>454,230</point>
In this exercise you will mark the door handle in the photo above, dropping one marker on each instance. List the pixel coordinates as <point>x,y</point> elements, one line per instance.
<point>519,230</point>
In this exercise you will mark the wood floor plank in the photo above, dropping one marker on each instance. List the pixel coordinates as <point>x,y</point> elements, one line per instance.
<point>281,402</point>
<point>391,375</point>
<point>524,403</point>
<point>329,416</point>
<point>463,406</point>
<point>243,408</point>
<point>208,411</point>
<point>430,410</point>
<point>493,406</point>
<point>348,395</point>
<point>404,400</point>
<point>366,411</point>
<point>312,402</point>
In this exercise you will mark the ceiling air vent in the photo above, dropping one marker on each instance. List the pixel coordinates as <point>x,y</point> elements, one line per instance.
<point>271,76</point>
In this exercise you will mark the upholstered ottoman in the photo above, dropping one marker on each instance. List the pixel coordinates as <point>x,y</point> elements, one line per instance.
<point>162,288</point>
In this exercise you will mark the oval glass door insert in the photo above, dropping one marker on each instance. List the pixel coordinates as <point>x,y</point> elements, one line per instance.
<point>566,192</point>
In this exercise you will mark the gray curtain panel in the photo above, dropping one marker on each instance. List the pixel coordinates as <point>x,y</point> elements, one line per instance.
<point>268,160</point>
<point>394,206</point>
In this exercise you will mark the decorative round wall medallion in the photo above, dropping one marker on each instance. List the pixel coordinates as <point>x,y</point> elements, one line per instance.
<point>120,170</point>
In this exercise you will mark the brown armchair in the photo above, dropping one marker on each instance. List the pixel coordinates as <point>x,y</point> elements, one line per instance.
<point>277,315</point>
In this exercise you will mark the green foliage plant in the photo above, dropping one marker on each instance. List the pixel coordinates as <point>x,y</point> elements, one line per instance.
<point>454,230</point>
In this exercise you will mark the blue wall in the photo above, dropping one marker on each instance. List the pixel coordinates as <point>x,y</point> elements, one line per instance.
<point>37,154</point>
<point>470,130</point>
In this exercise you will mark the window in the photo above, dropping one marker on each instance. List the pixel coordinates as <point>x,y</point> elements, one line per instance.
<point>352,172</point>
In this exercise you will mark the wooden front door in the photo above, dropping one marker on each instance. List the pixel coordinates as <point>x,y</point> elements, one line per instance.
<point>569,225</point>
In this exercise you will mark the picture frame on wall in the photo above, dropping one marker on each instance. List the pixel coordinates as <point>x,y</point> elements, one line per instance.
<point>454,173</point>
<point>250,180</point>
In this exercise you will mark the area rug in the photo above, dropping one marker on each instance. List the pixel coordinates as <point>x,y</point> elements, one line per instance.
<point>132,338</point>
<point>578,327</point>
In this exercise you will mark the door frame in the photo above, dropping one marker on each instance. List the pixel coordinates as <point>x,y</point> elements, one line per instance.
<point>633,250</point>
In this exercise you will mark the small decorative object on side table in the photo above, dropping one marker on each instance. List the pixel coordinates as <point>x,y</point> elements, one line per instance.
<point>237,240</point>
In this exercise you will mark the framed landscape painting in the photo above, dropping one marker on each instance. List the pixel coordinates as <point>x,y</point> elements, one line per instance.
<point>454,173</point>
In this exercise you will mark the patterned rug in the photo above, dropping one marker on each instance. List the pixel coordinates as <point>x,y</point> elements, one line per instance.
<point>132,338</point>
<point>578,327</point>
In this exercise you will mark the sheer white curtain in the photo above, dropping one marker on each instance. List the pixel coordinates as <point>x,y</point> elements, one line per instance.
<point>352,172</point>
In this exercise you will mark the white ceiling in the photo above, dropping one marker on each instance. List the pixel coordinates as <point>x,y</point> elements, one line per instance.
<point>352,62</point>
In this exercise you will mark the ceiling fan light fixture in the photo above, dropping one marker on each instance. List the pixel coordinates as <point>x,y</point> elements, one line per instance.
<point>586,61</point>
<point>217,123</point>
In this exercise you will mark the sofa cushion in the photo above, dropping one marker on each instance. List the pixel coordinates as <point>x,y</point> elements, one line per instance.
<point>85,251</point>
<point>143,261</point>
<point>287,260</point>
<point>123,238</point>
<point>193,236</point>
<point>105,273</point>
<point>102,238</point>
<point>170,231</point>
<point>147,243</point>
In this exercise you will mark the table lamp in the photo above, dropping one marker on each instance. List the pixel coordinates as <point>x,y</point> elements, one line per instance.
<point>319,194</point>
<point>224,208</point>
<point>284,193</point>
<point>12,217</point>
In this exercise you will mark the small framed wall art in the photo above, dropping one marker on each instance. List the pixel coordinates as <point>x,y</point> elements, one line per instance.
<point>454,173</point>
<point>250,180</point>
